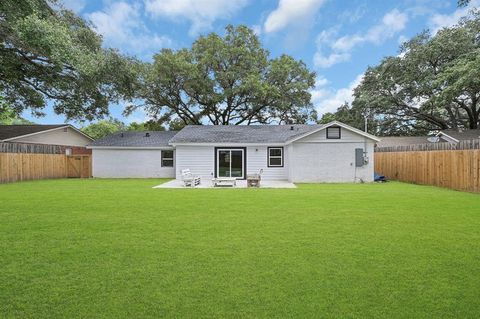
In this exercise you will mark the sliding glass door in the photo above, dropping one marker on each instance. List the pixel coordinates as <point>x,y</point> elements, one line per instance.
<point>230,163</point>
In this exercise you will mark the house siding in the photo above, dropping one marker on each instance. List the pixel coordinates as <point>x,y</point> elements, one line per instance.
<point>199,159</point>
<point>56,137</point>
<point>318,159</point>
<point>257,160</point>
<point>135,163</point>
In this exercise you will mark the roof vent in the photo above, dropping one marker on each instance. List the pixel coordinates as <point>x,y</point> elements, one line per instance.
<point>121,135</point>
<point>147,134</point>
<point>291,128</point>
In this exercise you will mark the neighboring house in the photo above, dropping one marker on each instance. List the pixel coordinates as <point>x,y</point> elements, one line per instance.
<point>445,136</point>
<point>455,136</point>
<point>392,141</point>
<point>334,152</point>
<point>62,134</point>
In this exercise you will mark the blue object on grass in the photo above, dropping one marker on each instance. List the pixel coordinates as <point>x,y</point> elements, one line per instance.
<point>379,178</point>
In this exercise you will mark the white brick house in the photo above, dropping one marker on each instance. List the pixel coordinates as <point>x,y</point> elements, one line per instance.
<point>334,152</point>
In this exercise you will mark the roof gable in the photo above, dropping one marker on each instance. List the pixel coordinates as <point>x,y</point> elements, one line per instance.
<point>15,131</point>
<point>335,123</point>
<point>26,130</point>
<point>457,136</point>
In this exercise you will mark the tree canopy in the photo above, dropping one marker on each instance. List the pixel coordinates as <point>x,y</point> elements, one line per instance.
<point>103,128</point>
<point>434,83</point>
<point>48,54</point>
<point>111,125</point>
<point>8,116</point>
<point>226,80</point>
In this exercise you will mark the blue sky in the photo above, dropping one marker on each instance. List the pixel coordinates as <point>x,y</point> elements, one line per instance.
<point>338,39</point>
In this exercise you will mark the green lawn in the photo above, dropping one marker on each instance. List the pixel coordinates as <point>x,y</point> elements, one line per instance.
<point>118,248</point>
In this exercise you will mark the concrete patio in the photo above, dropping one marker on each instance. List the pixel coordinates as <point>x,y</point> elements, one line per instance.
<point>207,183</point>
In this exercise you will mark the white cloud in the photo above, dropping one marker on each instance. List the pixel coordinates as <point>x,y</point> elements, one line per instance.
<point>201,13</point>
<point>121,26</point>
<point>328,100</point>
<point>326,61</point>
<point>392,22</point>
<point>340,48</point>
<point>439,21</point>
<point>321,81</point>
<point>290,12</point>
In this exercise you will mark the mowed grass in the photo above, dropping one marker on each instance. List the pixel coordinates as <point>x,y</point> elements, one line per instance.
<point>118,248</point>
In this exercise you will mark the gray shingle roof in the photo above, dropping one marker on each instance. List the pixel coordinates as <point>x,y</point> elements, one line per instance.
<point>136,139</point>
<point>241,133</point>
<point>463,135</point>
<point>389,141</point>
<point>11,131</point>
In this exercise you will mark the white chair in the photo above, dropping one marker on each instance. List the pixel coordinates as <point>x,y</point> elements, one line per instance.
<point>189,180</point>
<point>253,180</point>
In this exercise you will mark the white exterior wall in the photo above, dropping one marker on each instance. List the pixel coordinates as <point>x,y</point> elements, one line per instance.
<point>131,163</point>
<point>318,159</point>
<point>310,159</point>
<point>56,137</point>
<point>257,160</point>
<point>199,159</point>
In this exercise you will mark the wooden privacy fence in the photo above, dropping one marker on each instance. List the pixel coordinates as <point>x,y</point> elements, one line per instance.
<point>41,148</point>
<point>79,166</point>
<point>26,166</point>
<point>457,169</point>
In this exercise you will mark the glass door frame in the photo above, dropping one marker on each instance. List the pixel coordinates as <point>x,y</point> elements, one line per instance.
<point>244,159</point>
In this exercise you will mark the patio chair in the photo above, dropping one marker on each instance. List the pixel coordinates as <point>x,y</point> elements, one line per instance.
<point>253,180</point>
<point>189,180</point>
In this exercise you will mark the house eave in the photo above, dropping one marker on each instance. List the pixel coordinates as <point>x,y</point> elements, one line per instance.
<point>227,144</point>
<point>12,139</point>
<point>453,140</point>
<point>129,147</point>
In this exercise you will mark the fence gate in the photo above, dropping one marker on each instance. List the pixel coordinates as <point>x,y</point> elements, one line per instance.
<point>79,166</point>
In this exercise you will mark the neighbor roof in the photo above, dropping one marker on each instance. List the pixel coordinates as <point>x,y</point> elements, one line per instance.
<point>462,135</point>
<point>12,131</point>
<point>136,139</point>
<point>241,133</point>
<point>389,141</point>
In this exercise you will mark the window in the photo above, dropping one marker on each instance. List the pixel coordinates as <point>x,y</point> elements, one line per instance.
<point>167,158</point>
<point>275,156</point>
<point>333,132</point>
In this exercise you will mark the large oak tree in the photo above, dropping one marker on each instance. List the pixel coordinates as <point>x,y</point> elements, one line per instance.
<point>226,79</point>
<point>48,54</point>
<point>433,84</point>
